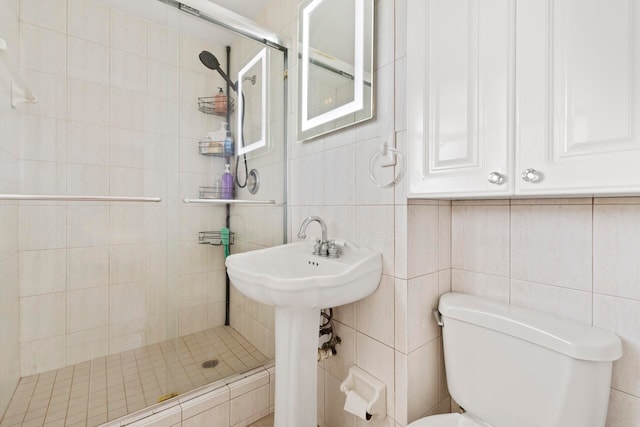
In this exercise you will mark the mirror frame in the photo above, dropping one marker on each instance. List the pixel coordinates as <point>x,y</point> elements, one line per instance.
<point>263,56</point>
<point>308,55</point>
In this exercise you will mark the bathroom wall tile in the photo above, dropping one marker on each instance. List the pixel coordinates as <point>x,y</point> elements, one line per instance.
<point>616,200</point>
<point>190,48</point>
<point>401,248</point>
<point>87,345</point>
<point>367,192</point>
<point>401,386</point>
<point>375,230</point>
<point>162,117</point>
<point>42,272</point>
<point>482,285</point>
<point>42,177</point>
<point>616,230</point>
<point>162,80</point>
<point>378,360</point>
<point>126,302</point>
<point>88,20</point>
<point>422,299</point>
<point>127,182</point>
<point>43,50</point>
<point>128,33</point>
<point>339,365</point>
<point>195,258</point>
<point>126,225</point>
<point>156,300</point>
<point>192,290</point>
<point>162,44</point>
<point>480,239</point>
<point>87,226</point>
<point>308,191</point>
<point>423,238</point>
<point>156,151</point>
<point>10,232</point>
<point>51,14</point>
<point>381,125</point>
<point>553,201</point>
<point>127,336</point>
<point>373,313</point>
<point>42,227</point>
<point>128,109</point>
<point>566,229</point>
<point>621,316</point>
<point>87,308</point>
<point>401,28</point>
<point>334,415</point>
<point>624,409</point>
<point>88,102</point>
<point>192,320</point>
<point>42,316</point>
<point>345,314</point>
<point>126,264</point>
<point>422,380</point>
<point>88,61</point>
<point>52,94</point>
<point>88,180</point>
<point>212,417</point>
<point>87,267</point>
<point>563,302</point>
<point>42,138</point>
<point>444,281</point>
<point>42,355</point>
<point>401,95</point>
<point>87,143</point>
<point>339,183</point>
<point>194,84</point>
<point>400,190</point>
<point>128,71</point>
<point>385,35</point>
<point>444,236</point>
<point>401,315</point>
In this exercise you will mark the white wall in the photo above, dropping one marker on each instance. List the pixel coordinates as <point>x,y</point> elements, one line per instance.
<point>9,279</point>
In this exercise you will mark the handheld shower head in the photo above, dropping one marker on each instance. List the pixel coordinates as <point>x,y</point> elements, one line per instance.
<point>210,61</point>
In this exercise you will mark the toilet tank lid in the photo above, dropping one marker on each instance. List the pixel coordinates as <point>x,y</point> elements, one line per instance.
<point>575,339</point>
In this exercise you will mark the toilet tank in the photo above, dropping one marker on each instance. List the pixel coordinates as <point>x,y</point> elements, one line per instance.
<point>509,366</point>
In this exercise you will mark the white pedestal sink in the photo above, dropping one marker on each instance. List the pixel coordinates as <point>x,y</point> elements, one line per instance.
<point>299,284</point>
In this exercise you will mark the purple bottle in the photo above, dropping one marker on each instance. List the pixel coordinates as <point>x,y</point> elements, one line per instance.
<point>227,183</point>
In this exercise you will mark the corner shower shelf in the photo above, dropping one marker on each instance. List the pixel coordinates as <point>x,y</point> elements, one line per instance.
<point>231,201</point>
<point>214,238</point>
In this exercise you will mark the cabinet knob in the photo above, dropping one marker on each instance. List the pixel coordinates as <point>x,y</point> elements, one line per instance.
<point>531,175</point>
<point>496,178</point>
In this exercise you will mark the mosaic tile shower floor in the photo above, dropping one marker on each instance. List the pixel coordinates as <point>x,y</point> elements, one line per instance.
<point>94,392</point>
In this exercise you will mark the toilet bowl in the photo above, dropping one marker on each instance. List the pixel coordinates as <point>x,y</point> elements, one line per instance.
<point>447,420</point>
<point>509,366</point>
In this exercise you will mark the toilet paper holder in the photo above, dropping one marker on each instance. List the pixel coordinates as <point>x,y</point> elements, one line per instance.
<point>365,390</point>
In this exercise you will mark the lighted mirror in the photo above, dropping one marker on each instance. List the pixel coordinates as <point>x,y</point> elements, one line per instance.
<point>252,103</point>
<point>335,84</point>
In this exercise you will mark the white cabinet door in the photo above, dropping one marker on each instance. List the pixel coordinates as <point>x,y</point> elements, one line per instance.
<point>460,69</point>
<point>578,96</point>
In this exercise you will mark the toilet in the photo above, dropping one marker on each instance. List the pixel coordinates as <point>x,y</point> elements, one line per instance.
<point>512,367</point>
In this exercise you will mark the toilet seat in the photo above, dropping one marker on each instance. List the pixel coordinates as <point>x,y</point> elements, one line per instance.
<point>447,420</point>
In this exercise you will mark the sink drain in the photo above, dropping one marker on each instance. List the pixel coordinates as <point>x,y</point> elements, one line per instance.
<point>210,363</point>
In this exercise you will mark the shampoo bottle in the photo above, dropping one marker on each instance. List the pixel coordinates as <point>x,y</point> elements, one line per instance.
<point>227,183</point>
<point>228,145</point>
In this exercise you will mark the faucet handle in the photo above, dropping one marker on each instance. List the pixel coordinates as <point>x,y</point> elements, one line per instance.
<point>317,247</point>
<point>333,249</point>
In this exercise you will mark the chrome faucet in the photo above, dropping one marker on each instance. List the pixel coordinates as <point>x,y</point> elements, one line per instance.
<point>322,246</point>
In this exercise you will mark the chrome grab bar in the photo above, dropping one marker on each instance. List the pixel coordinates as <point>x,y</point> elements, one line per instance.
<point>45,197</point>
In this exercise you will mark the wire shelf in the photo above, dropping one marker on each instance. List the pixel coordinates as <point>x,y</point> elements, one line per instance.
<point>214,238</point>
<point>207,105</point>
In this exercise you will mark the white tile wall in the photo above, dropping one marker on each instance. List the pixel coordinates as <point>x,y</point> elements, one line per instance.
<point>107,122</point>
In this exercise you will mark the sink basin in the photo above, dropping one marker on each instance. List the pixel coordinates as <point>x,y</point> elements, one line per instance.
<point>299,284</point>
<point>290,276</point>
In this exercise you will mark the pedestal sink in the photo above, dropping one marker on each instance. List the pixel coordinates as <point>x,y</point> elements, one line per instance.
<point>298,284</point>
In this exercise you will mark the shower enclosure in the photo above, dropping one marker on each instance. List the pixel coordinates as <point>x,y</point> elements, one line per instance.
<point>113,289</point>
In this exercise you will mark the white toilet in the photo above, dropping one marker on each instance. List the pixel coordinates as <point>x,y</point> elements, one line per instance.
<point>512,367</point>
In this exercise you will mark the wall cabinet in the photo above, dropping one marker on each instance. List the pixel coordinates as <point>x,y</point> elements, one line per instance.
<point>528,97</point>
